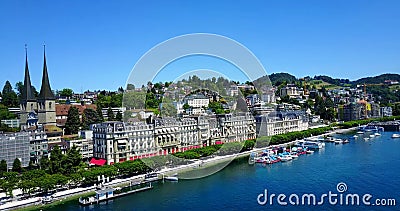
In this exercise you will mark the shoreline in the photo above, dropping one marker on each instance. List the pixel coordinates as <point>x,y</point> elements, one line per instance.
<point>72,194</point>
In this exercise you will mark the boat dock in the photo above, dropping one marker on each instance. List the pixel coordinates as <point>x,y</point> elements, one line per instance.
<point>388,126</point>
<point>106,194</point>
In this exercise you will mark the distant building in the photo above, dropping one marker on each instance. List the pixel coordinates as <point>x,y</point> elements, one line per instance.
<point>84,143</point>
<point>14,146</point>
<point>62,112</point>
<point>386,111</point>
<point>11,122</point>
<point>349,112</point>
<point>115,111</point>
<point>291,90</point>
<point>197,102</point>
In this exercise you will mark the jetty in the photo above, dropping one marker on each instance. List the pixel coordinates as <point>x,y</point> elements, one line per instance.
<point>388,126</point>
<point>108,193</point>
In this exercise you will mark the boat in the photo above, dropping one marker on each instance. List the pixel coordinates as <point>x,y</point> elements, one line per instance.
<point>338,141</point>
<point>172,178</point>
<point>294,155</point>
<point>346,141</point>
<point>396,135</point>
<point>377,134</point>
<point>372,136</point>
<point>360,132</point>
<point>252,158</point>
<point>355,136</point>
<point>366,139</point>
<point>285,158</point>
<point>309,151</point>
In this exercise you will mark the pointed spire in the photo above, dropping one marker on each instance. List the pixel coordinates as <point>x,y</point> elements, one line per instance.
<point>27,93</point>
<point>45,90</point>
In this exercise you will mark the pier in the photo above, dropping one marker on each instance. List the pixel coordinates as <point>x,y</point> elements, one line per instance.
<point>388,126</point>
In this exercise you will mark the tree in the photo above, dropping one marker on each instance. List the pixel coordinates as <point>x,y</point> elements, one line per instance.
<point>19,86</point>
<point>72,161</point>
<point>186,106</point>
<point>66,92</point>
<point>73,122</point>
<point>130,87</point>
<point>17,166</point>
<point>89,117</point>
<point>44,163</point>
<point>99,113</point>
<point>3,167</point>
<point>110,114</point>
<point>56,158</point>
<point>10,98</point>
<point>118,117</point>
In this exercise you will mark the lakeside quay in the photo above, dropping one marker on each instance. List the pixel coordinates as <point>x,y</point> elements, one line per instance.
<point>182,170</point>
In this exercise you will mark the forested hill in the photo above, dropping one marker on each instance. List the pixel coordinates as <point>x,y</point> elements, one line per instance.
<point>378,79</point>
<point>278,78</point>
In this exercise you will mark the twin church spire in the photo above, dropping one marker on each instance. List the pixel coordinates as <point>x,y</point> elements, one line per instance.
<point>45,90</point>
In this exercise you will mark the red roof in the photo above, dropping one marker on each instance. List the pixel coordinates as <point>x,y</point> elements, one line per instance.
<point>99,162</point>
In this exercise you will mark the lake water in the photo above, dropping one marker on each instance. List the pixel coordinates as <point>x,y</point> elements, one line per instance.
<point>366,167</point>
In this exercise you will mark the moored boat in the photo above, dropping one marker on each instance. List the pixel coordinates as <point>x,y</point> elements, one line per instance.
<point>396,135</point>
<point>338,141</point>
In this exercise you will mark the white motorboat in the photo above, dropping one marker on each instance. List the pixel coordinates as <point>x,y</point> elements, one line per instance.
<point>396,135</point>
<point>372,136</point>
<point>338,141</point>
<point>366,139</point>
<point>285,158</point>
<point>360,132</point>
<point>309,151</point>
<point>294,155</point>
<point>355,136</point>
<point>377,134</point>
<point>172,178</point>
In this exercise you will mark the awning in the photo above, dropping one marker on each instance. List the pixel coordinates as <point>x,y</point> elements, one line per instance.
<point>99,162</point>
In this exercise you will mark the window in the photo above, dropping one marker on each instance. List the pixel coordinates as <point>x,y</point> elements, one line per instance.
<point>49,105</point>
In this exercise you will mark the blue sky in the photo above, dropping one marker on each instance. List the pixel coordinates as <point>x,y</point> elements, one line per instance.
<point>95,44</point>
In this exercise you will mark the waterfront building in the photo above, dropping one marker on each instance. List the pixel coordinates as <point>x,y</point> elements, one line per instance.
<point>40,110</point>
<point>15,145</point>
<point>280,122</point>
<point>166,135</point>
<point>117,141</point>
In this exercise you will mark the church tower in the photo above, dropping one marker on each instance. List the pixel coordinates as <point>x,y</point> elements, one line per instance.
<point>28,103</point>
<point>46,100</point>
